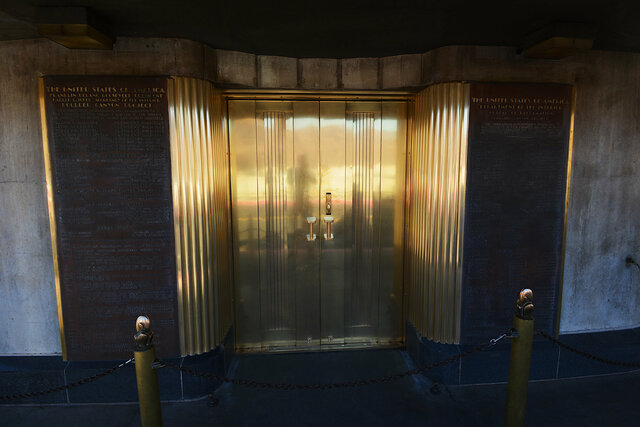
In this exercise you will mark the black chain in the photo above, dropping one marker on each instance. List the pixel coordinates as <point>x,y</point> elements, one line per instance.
<point>260,384</point>
<point>325,386</point>
<point>67,386</point>
<point>588,355</point>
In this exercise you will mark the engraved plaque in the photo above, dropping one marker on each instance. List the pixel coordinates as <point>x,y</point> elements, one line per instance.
<point>111,183</point>
<point>516,184</point>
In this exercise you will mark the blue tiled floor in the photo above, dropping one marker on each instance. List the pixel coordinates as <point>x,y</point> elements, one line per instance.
<point>603,400</point>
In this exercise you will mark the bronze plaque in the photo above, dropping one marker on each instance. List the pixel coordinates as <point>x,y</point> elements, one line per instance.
<point>519,136</point>
<point>110,163</point>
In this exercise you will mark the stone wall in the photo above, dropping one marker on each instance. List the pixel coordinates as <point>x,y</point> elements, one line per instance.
<point>600,292</point>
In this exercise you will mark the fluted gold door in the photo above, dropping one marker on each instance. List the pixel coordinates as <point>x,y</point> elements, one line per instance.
<point>317,208</point>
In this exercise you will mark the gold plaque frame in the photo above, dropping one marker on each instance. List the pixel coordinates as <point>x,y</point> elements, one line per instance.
<point>52,213</point>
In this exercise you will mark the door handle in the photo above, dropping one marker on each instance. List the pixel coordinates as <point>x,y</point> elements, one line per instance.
<point>311,236</point>
<point>328,235</point>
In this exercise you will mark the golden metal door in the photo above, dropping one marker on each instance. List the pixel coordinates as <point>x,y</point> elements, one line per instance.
<point>317,215</point>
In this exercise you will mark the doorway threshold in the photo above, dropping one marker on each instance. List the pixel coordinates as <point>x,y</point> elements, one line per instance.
<point>323,347</point>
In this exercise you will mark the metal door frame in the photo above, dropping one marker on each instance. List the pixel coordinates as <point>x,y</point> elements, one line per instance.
<point>305,95</point>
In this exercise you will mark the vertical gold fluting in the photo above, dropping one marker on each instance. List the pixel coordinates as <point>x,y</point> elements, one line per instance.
<point>277,310</point>
<point>437,189</point>
<point>199,166</point>
<point>364,163</point>
<point>52,218</point>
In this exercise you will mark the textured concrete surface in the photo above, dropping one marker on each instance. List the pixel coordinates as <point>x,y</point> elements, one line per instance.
<point>236,68</point>
<point>604,218</point>
<point>596,401</point>
<point>360,73</point>
<point>277,72</point>
<point>318,73</point>
<point>600,292</point>
<point>401,71</point>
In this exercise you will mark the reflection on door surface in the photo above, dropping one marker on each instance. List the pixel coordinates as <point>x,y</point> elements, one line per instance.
<point>317,207</point>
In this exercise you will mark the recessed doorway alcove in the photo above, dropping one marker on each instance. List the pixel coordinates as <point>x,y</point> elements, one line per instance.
<point>305,220</point>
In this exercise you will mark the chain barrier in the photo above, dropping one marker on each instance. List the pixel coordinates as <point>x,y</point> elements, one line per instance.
<point>66,386</point>
<point>342,384</point>
<point>513,333</point>
<point>279,386</point>
<point>588,355</point>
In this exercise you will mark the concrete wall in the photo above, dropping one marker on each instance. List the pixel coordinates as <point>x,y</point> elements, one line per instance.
<point>600,292</point>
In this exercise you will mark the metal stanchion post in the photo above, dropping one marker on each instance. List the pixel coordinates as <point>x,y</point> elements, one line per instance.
<point>146,376</point>
<point>520,363</point>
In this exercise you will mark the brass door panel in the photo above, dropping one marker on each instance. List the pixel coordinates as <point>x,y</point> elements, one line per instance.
<point>392,201</point>
<point>276,231</point>
<point>362,278</point>
<point>307,251</point>
<point>333,172</point>
<point>244,222</point>
<point>318,203</point>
